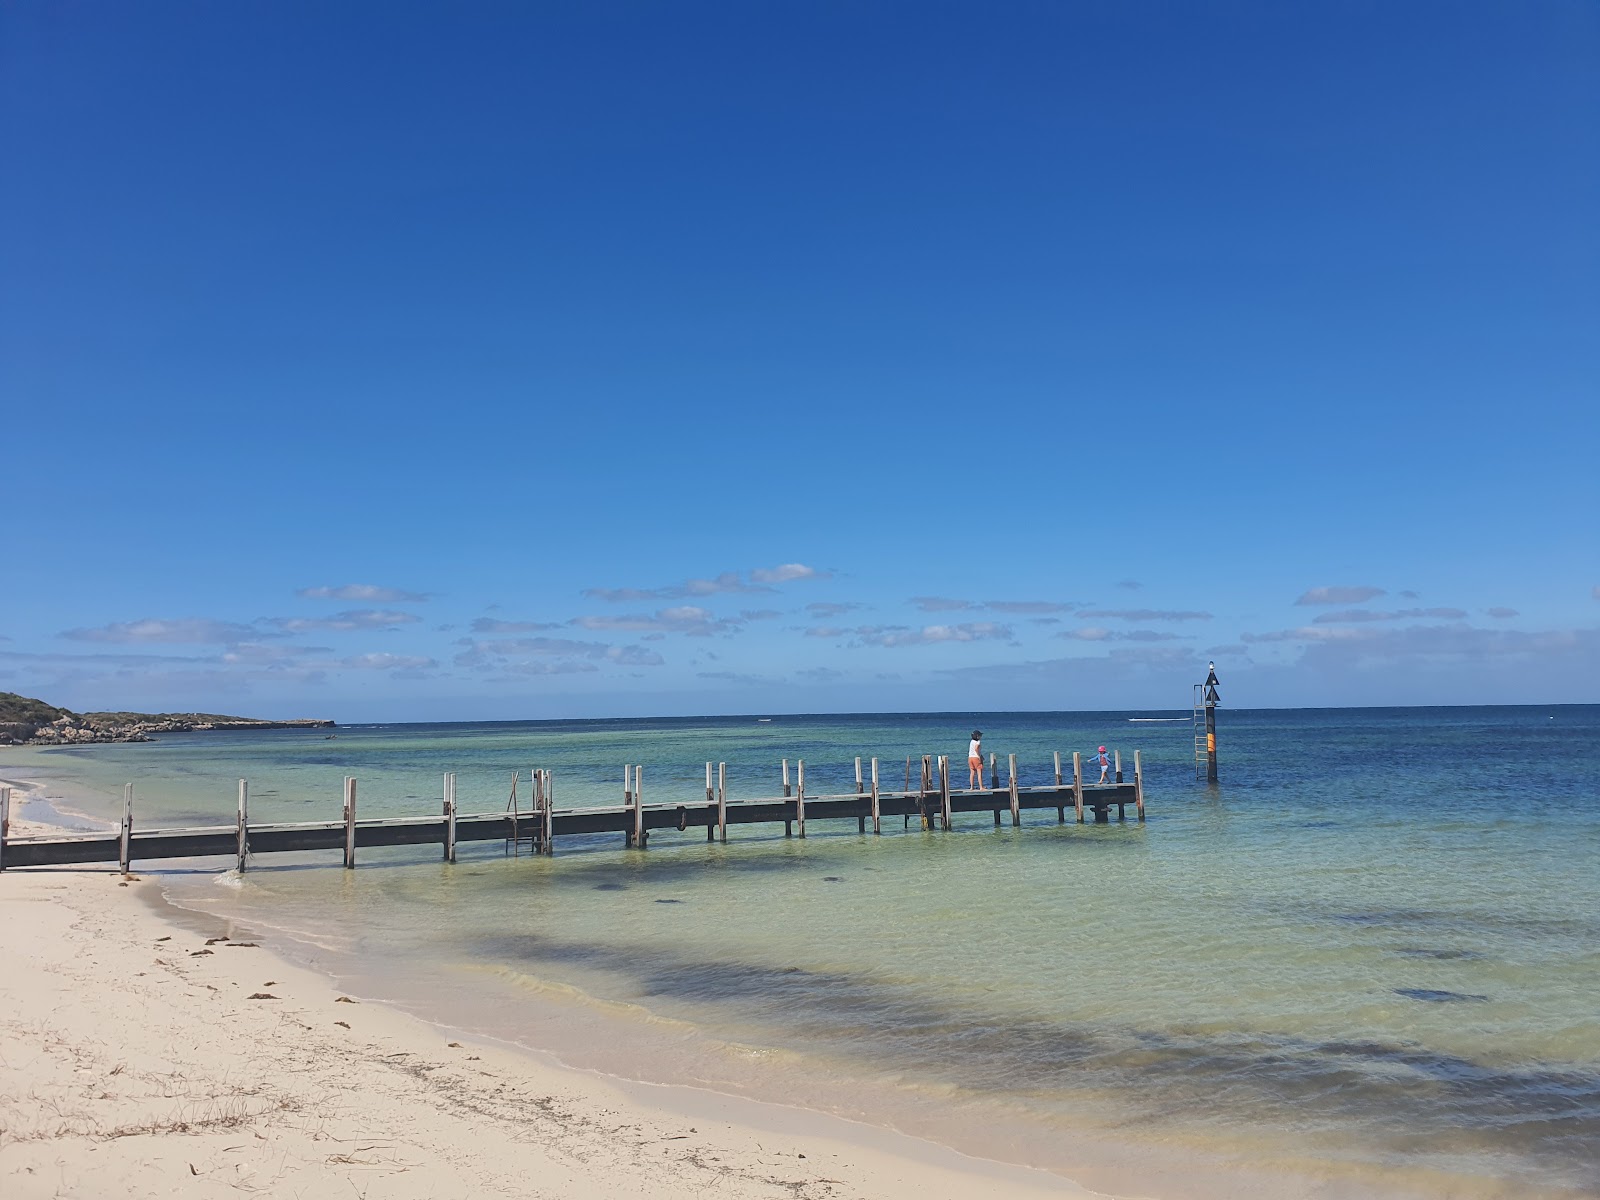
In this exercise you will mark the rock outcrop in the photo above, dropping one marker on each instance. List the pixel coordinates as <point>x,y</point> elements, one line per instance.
<point>28,722</point>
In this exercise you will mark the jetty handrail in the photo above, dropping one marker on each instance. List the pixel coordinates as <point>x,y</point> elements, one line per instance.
<point>934,801</point>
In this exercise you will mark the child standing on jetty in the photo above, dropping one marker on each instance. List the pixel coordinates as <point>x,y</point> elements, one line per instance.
<point>1105,764</point>
<point>975,761</point>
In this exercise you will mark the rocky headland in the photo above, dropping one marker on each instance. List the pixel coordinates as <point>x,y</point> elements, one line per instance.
<point>28,722</point>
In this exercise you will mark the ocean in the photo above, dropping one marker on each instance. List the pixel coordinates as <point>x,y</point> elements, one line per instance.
<point>1368,958</point>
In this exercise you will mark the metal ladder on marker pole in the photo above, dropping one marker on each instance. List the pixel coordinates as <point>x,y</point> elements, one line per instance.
<point>1200,747</point>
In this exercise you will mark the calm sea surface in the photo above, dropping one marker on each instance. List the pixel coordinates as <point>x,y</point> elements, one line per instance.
<point>1370,956</point>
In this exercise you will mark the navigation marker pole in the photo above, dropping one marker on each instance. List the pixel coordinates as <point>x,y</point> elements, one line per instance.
<point>1211,722</point>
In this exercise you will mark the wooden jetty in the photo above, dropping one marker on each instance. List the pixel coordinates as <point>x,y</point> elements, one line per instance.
<point>926,796</point>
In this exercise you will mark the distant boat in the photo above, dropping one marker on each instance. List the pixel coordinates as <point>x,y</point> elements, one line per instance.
<point>763,720</point>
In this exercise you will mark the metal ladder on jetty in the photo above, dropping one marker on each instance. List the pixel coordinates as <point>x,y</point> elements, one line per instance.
<point>541,798</point>
<point>514,807</point>
<point>1200,748</point>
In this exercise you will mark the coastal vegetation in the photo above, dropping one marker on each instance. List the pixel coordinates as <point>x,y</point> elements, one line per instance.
<point>25,721</point>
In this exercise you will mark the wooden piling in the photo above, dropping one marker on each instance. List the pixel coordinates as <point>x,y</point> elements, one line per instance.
<point>641,838</point>
<point>905,820</point>
<point>1058,768</point>
<point>1077,784</point>
<point>627,800</point>
<point>944,790</point>
<point>5,823</point>
<point>244,822</point>
<point>448,808</point>
<point>125,844</point>
<point>923,789</point>
<point>1116,756</point>
<point>994,772</point>
<point>722,801</point>
<point>349,822</point>
<point>1016,802</point>
<point>861,821</point>
<point>549,814</point>
<point>877,823</point>
<point>800,795</point>
<point>788,825</point>
<point>1138,785</point>
<point>711,801</point>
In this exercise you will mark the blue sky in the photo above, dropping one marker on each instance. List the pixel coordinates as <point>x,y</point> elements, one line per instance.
<point>473,361</point>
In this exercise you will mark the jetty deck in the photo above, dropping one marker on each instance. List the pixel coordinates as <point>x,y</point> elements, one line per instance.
<point>933,803</point>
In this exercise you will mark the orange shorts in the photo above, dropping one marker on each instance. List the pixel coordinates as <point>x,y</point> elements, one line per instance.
<point>975,763</point>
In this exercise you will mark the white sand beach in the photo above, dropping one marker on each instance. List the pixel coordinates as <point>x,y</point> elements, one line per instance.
<point>142,1057</point>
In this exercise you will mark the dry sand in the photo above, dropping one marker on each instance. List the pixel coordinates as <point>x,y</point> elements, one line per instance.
<point>139,1057</point>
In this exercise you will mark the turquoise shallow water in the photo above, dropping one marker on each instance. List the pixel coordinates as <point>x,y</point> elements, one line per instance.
<point>1372,952</point>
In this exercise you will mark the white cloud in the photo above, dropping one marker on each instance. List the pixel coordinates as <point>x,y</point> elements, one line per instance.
<point>1093,633</point>
<point>895,635</point>
<point>505,653</point>
<point>1501,613</point>
<point>728,582</point>
<point>1027,606</point>
<point>194,631</point>
<point>1143,614</point>
<point>349,621</point>
<point>828,608</point>
<point>271,654</point>
<point>490,625</point>
<point>688,619</point>
<point>731,677</point>
<point>788,573</point>
<point>387,662</point>
<point>1356,615</point>
<point>1342,595</point>
<point>941,604</point>
<point>368,593</point>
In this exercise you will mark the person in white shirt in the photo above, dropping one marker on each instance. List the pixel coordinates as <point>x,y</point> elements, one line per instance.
<point>975,760</point>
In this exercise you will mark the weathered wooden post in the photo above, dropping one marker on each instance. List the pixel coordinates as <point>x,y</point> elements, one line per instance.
<point>1077,784</point>
<point>905,820</point>
<point>1061,809</point>
<point>125,844</point>
<point>349,822</point>
<point>877,823</point>
<point>722,801</point>
<point>861,821</point>
<point>923,790</point>
<point>244,822</point>
<point>449,816</point>
<point>627,801</point>
<point>788,825</point>
<point>5,823</point>
<point>711,800</point>
<point>1016,800</point>
<point>549,815</point>
<point>944,790</point>
<point>800,795</point>
<point>1138,785</point>
<point>1116,756</point>
<point>994,771</point>
<point>641,837</point>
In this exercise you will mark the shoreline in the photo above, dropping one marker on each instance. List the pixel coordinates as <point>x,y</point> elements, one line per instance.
<point>178,1076</point>
<point>873,1158</point>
